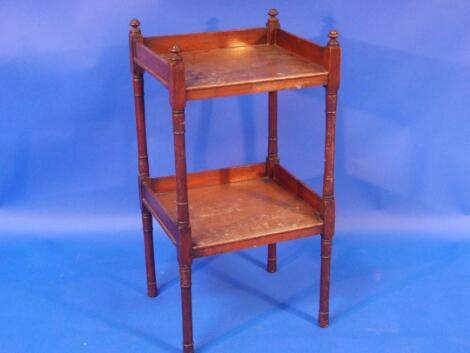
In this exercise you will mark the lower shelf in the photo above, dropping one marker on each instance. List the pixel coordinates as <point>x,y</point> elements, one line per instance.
<point>237,208</point>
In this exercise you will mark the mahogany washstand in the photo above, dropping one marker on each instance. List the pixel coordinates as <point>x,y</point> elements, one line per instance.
<point>217,211</point>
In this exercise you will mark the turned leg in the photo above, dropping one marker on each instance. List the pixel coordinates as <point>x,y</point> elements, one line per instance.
<point>271,161</point>
<point>332,58</point>
<point>177,100</point>
<point>323,316</point>
<point>272,258</point>
<point>149,253</point>
<point>143,164</point>
<point>186,303</point>
<point>328,202</point>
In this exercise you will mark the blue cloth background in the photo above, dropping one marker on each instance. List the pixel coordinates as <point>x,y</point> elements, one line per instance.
<point>71,260</point>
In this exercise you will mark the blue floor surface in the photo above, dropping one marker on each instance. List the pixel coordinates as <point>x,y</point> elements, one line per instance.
<point>406,294</point>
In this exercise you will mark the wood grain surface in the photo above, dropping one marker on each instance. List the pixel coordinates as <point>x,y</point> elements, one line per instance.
<point>244,65</point>
<point>227,213</point>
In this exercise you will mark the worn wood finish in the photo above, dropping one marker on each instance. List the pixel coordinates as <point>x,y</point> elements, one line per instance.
<point>159,195</point>
<point>260,241</point>
<point>229,209</point>
<point>245,210</point>
<point>256,87</point>
<point>244,68</point>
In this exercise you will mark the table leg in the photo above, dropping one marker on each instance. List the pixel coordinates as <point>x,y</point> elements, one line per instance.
<point>186,303</point>
<point>323,317</point>
<point>272,266</point>
<point>271,160</point>
<point>149,253</point>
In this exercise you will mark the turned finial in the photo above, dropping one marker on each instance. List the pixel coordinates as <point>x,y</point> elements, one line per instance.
<point>175,51</point>
<point>135,23</point>
<point>272,20</point>
<point>272,25</point>
<point>273,13</point>
<point>333,35</point>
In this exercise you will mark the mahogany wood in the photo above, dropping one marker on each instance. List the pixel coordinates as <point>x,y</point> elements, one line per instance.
<point>135,37</point>
<point>308,50</point>
<point>236,212</point>
<point>159,197</point>
<point>207,40</point>
<point>211,177</point>
<point>332,59</point>
<point>272,158</point>
<point>255,242</point>
<point>152,63</point>
<point>237,67</point>
<point>271,84</point>
<point>149,256</point>
<point>178,103</point>
<point>291,183</point>
<point>154,206</point>
<point>229,209</point>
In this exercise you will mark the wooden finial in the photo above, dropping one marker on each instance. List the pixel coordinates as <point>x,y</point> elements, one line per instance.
<point>135,23</point>
<point>273,13</point>
<point>272,25</point>
<point>333,35</point>
<point>272,17</point>
<point>175,51</point>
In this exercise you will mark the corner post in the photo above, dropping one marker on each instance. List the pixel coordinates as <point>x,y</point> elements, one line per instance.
<point>272,158</point>
<point>332,62</point>
<point>135,36</point>
<point>178,103</point>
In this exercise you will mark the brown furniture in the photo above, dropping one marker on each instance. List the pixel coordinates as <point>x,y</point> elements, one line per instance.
<point>229,209</point>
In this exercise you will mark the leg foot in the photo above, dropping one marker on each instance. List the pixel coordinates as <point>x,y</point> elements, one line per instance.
<point>188,348</point>
<point>272,261</point>
<point>152,290</point>
<point>186,304</point>
<point>323,317</point>
<point>149,254</point>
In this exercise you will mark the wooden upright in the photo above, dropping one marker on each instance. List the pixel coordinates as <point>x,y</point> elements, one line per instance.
<point>135,36</point>
<point>244,206</point>
<point>332,54</point>
<point>272,159</point>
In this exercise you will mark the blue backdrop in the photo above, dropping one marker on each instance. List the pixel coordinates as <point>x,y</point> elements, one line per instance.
<point>71,266</point>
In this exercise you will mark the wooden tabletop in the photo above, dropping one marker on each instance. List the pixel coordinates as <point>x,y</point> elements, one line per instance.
<point>244,210</point>
<point>215,68</point>
<point>226,63</point>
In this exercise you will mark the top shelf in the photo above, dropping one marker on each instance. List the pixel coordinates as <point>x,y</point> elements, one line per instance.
<point>236,62</point>
<point>254,67</point>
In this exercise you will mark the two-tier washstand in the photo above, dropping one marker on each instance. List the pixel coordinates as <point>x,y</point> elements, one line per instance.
<point>217,211</point>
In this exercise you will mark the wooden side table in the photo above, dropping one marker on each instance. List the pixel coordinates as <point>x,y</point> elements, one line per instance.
<point>217,211</point>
